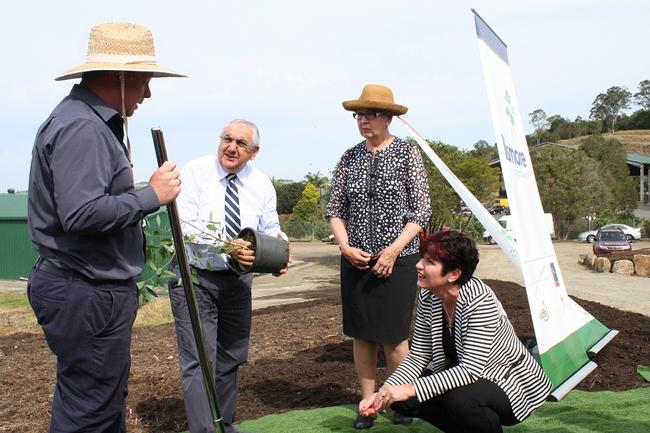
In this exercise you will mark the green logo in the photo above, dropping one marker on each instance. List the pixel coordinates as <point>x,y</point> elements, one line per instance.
<point>510,112</point>
<point>544,313</point>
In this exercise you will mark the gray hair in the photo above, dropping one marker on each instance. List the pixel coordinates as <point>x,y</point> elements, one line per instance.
<point>256,132</point>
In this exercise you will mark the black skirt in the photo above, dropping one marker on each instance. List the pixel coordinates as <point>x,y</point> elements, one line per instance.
<point>379,309</point>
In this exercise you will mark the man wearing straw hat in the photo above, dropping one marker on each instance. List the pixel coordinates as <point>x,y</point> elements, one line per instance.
<point>84,216</point>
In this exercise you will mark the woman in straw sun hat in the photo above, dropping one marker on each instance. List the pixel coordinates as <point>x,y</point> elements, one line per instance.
<point>84,216</point>
<point>379,203</point>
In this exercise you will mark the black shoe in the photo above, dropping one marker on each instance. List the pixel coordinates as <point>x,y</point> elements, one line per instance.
<point>398,418</point>
<point>364,422</point>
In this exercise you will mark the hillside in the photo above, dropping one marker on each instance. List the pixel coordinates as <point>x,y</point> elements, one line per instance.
<point>636,141</point>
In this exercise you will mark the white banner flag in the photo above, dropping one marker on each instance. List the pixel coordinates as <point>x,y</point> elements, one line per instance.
<point>565,332</point>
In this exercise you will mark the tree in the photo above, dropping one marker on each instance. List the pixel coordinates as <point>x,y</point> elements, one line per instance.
<point>444,200</point>
<point>560,128</point>
<point>316,179</point>
<point>612,157</point>
<point>470,169</point>
<point>307,207</point>
<point>306,220</point>
<point>583,127</point>
<point>570,185</point>
<point>539,122</point>
<point>640,119</point>
<point>481,179</point>
<point>321,183</point>
<point>642,97</point>
<point>288,195</point>
<point>483,149</point>
<point>608,106</point>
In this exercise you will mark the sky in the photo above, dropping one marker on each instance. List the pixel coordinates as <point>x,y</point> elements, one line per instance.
<point>287,65</point>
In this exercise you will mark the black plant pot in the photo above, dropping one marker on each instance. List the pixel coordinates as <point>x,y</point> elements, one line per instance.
<point>271,253</point>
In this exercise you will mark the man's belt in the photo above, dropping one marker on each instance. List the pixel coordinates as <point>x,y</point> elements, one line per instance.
<point>54,267</point>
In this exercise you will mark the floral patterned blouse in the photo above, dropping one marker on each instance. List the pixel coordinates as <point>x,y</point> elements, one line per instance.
<point>377,194</point>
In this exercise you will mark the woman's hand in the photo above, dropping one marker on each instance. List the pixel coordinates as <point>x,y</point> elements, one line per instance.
<point>367,406</point>
<point>389,394</point>
<point>385,262</point>
<point>358,258</point>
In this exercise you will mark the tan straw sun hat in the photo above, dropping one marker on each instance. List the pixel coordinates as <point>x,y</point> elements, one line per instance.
<point>120,47</point>
<point>375,97</point>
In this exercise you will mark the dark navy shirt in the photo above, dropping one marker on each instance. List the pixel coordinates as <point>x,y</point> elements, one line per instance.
<point>83,209</point>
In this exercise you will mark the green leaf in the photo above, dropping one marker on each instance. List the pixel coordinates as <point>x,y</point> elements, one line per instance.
<point>167,274</point>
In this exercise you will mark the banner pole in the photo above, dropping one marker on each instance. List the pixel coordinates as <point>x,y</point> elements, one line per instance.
<point>186,278</point>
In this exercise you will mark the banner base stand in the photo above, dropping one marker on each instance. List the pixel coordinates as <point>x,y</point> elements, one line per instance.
<point>601,343</point>
<point>572,381</point>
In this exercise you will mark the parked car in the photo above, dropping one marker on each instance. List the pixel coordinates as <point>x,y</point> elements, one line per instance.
<point>631,233</point>
<point>610,240</point>
<point>495,209</point>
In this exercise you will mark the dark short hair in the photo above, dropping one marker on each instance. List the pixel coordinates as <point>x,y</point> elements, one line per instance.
<point>453,250</point>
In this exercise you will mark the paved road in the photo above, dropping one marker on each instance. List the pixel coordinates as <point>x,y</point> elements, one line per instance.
<point>629,293</point>
<point>315,272</point>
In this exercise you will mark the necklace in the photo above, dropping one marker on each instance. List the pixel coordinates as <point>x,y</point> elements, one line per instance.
<point>450,317</point>
<point>384,144</point>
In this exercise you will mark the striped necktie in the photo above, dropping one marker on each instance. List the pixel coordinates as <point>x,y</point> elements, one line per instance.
<point>233,223</point>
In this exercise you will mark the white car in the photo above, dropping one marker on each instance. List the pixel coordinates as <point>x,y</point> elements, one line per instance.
<point>631,233</point>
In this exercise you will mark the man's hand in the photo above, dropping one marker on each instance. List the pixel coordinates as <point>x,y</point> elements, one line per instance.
<point>243,255</point>
<point>166,182</point>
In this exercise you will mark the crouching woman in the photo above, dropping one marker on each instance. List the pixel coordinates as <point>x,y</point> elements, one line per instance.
<point>466,371</point>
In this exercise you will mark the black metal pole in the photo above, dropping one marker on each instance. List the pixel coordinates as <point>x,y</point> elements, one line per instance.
<point>186,277</point>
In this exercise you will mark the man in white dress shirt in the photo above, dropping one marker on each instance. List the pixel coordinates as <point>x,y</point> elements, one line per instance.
<point>222,293</point>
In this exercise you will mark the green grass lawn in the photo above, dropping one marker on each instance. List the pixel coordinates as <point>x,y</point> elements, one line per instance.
<point>579,412</point>
<point>16,314</point>
<point>13,300</point>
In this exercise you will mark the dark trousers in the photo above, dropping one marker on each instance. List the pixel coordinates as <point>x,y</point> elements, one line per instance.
<point>87,326</point>
<point>481,407</point>
<point>224,301</point>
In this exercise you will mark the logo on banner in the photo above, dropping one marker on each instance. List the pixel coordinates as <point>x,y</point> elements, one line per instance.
<point>510,112</point>
<point>543,313</point>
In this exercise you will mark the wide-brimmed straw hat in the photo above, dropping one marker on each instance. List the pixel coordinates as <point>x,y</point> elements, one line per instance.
<point>375,97</point>
<point>120,47</point>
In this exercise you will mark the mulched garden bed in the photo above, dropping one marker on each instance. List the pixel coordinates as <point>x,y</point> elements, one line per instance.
<point>298,359</point>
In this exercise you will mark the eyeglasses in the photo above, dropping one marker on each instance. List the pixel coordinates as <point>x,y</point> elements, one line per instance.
<point>240,142</point>
<point>368,114</point>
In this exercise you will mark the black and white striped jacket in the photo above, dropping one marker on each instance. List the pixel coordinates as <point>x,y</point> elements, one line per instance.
<point>487,348</point>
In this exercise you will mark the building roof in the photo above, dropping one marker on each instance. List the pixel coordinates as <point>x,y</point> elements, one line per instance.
<point>639,159</point>
<point>13,206</point>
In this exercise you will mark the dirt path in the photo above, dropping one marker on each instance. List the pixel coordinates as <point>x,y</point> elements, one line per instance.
<point>628,293</point>
<point>316,272</point>
<point>304,281</point>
